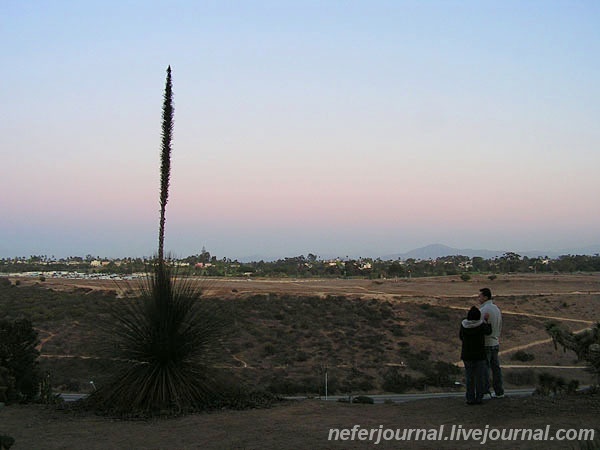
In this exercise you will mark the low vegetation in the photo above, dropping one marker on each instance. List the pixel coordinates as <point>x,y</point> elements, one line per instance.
<point>19,373</point>
<point>586,344</point>
<point>280,343</point>
<point>285,343</point>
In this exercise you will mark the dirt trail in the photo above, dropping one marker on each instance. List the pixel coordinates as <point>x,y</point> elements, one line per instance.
<point>43,341</point>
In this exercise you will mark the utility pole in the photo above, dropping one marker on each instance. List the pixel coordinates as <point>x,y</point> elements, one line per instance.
<point>325,382</point>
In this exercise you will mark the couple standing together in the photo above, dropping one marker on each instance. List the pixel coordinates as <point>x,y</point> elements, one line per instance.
<point>479,334</point>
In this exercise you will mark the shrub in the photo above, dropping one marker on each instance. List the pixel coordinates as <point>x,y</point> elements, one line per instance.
<point>521,377</point>
<point>363,399</point>
<point>6,442</point>
<point>395,381</point>
<point>269,350</point>
<point>492,277</point>
<point>46,395</point>
<point>441,373</point>
<point>397,330</point>
<point>586,344</point>
<point>522,356</point>
<point>465,277</point>
<point>550,384</point>
<point>18,359</point>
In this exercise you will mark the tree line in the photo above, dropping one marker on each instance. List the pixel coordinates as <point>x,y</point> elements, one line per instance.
<point>205,264</point>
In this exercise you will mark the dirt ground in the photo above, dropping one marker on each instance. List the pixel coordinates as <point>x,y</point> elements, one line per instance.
<point>306,424</point>
<point>527,302</point>
<point>430,287</point>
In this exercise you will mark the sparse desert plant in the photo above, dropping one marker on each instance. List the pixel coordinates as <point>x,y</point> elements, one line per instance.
<point>19,370</point>
<point>397,330</point>
<point>492,277</point>
<point>269,350</point>
<point>47,396</point>
<point>586,344</point>
<point>521,377</point>
<point>522,356</point>
<point>589,445</point>
<point>465,277</point>
<point>365,400</point>
<point>6,442</point>
<point>550,384</point>
<point>167,339</point>
<point>394,380</point>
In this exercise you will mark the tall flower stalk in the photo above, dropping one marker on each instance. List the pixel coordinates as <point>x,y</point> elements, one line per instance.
<point>165,161</point>
<point>167,340</point>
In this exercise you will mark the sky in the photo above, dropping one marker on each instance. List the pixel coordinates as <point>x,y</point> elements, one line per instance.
<point>338,128</point>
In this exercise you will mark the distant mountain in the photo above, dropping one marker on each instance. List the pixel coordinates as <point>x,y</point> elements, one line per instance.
<point>590,250</point>
<point>439,250</point>
<point>434,251</point>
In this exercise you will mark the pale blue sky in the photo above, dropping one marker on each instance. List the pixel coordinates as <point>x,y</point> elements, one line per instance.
<point>331,127</point>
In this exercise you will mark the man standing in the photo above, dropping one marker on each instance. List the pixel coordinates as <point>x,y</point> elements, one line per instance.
<point>492,313</point>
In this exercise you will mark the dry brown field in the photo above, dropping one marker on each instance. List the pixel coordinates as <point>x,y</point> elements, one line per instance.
<point>434,287</point>
<point>527,302</point>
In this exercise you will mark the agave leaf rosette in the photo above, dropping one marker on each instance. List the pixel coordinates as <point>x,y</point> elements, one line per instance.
<point>169,341</point>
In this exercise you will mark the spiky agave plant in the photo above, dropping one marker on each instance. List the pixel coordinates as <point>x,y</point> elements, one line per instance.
<point>167,340</point>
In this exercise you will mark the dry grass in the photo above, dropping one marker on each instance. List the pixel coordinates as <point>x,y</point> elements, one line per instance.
<point>527,302</point>
<point>299,425</point>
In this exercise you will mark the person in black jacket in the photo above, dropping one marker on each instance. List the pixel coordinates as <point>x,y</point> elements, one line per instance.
<point>472,334</point>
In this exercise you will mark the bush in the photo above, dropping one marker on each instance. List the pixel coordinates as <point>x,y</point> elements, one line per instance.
<point>397,330</point>
<point>18,359</point>
<point>522,356</point>
<point>269,350</point>
<point>440,373</point>
<point>521,377</point>
<point>465,277</point>
<point>585,344</point>
<point>6,442</point>
<point>394,381</point>
<point>550,384</point>
<point>363,399</point>
<point>492,277</point>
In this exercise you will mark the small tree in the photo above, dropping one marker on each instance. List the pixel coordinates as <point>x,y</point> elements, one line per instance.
<point>19,370</point>
<point>586,344</point>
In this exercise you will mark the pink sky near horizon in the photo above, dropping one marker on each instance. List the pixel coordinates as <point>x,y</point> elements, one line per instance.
<point>335,127</point>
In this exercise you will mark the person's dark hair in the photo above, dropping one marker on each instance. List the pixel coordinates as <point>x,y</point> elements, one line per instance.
<point>474,314</point>
<point>486,293</point>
